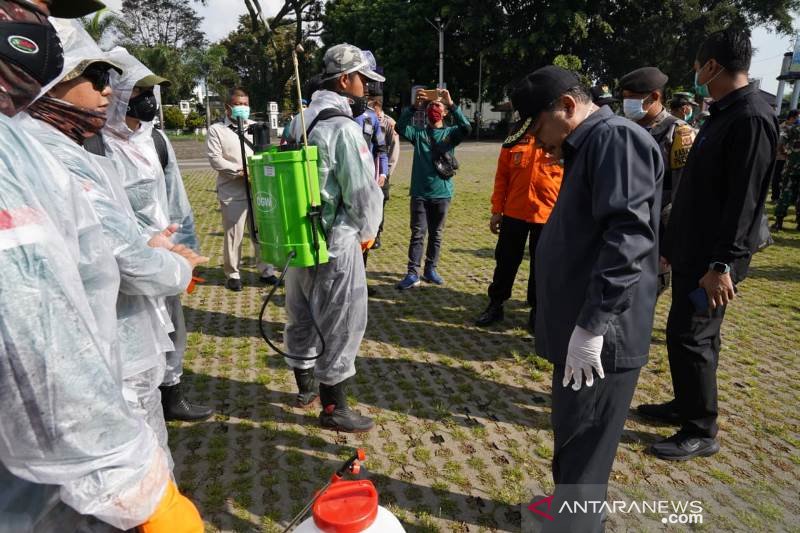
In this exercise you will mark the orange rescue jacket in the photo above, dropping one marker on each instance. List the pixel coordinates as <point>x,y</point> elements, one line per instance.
<point>527,182</point>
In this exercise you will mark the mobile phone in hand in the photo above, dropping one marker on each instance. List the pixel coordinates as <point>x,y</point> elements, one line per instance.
<point>699,299</point>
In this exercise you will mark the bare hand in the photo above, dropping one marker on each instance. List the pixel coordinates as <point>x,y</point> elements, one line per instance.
<point>494,223</point>
<point>719,288</point>
<point>240,173</point>
<point>444,94</point>
<point>663,264</point>
<point>164,239</point>
<point>189,254</point>
<point>381,180</point>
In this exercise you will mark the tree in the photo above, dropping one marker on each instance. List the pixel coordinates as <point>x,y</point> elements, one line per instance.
<point>171,23</point>
<point>101,25</point>
<point>173,118</point>
<point>264,64</point>
<point>609,37</point>
<point>174,65</point>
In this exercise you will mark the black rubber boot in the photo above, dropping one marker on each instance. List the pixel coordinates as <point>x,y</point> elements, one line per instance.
<point>493,313</point>
<point>177,407</point>
<point>336,415</point>
<point>306,386</point>
<point>778,225</point>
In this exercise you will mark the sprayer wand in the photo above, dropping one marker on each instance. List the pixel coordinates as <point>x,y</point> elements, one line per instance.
<point>315,211</point>
<point>250,218</point>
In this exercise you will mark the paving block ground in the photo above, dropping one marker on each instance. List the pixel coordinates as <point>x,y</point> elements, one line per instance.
<point>463,433</point>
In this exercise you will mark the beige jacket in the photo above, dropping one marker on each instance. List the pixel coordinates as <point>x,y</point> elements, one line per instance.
<point>225,156</point>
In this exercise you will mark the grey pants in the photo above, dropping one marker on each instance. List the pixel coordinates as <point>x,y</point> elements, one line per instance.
<point>338,300</point>
<point>174,370</point>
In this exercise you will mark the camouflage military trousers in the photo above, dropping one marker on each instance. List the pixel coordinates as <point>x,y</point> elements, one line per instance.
<point>789,193</point>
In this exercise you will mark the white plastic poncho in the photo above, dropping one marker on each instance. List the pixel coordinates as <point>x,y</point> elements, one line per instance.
<point>66,433</point>
<point>352,209</point>
<point>157,194</point>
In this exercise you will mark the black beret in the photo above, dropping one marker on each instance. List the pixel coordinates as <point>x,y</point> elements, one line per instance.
<point>643,80</point>
<point>540,88</point>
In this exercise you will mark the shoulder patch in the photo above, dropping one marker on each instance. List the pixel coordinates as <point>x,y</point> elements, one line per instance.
<point>681,145</point>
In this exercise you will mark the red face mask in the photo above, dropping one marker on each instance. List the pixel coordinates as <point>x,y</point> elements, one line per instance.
<point>435,114</point>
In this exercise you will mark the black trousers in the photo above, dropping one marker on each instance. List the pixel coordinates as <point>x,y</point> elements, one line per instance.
<point>777,178</point>
<point>508,256</point>
<point>587,426</point>
<point>693,343</point>
<point>427,216</point>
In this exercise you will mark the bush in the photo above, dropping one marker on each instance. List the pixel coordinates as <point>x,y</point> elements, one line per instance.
<point>194,121</point>
<point>173,118</point>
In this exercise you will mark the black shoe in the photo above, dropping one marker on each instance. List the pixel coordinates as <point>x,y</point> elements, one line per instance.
<point>682,447</point>
<point>778,225</point>
<point>493,313</point>
<point>272,279</point>
<point>306,386</point>
<point>336,415</point>
<point>663,412</point>
<point>177,407</point>
<point>377,244</point>
<point>234,284</point>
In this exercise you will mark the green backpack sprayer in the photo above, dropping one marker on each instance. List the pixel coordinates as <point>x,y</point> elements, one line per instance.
<point>285,214</point>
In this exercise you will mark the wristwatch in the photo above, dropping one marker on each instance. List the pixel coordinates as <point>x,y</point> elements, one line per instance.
<point>722,268</point>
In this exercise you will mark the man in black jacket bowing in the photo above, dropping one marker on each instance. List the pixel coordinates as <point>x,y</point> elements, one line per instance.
<point>597,267</point>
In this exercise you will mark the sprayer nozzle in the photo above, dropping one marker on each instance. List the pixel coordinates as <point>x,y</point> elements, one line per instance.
<point>299,49</point>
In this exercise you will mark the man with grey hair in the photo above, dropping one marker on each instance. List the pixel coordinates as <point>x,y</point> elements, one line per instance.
<point>225,156</point>
<point>596,269</point>
<point>333,296</point>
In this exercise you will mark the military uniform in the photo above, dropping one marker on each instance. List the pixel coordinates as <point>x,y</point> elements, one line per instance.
<point>791,178</point>
<point>674,138</point>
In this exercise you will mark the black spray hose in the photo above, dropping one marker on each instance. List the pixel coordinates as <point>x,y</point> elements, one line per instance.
<point>250,217</point>
<point>314,215</point>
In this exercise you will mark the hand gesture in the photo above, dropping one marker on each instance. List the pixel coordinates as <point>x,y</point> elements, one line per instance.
<point>164,239</point>
<point>187,253</point>
<point>444,95</point>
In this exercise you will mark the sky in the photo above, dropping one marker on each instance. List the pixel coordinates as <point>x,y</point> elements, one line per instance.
<point>220,17</point>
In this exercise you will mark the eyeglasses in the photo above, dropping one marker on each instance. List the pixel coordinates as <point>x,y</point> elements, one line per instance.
<point>100,76</point>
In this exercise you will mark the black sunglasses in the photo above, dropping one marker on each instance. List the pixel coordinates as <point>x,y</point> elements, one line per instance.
<point>100,76</point>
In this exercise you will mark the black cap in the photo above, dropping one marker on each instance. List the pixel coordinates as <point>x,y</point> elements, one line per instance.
<point>601,95</point>
<point>643,80</point>
<point>70,9</point>
<point>540,88</point>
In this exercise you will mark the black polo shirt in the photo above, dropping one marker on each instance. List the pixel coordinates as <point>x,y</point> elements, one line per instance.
<point>597,257</point>
<point>717,209</point>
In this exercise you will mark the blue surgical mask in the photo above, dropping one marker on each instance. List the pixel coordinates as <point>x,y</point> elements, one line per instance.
<point>633,109</point>
<point>240,111</point>
<point>689,116</point>
<point>702,89</point>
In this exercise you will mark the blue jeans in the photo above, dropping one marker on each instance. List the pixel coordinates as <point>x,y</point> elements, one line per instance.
<point>427,216</point>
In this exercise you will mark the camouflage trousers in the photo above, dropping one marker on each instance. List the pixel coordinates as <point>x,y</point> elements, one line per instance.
<point>789,192</point>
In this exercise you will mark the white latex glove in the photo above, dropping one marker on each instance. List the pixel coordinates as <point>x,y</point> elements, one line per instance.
<point>583,354</point>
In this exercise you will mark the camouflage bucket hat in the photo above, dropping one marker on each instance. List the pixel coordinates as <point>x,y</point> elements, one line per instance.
<point>345,59</point>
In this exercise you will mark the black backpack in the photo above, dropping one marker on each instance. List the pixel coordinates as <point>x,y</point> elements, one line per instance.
<point>95,145</point>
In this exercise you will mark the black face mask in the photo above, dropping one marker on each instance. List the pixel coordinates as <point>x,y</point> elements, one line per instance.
<point>358,104</point>
<point>35,48</point>
<point>143,107</point>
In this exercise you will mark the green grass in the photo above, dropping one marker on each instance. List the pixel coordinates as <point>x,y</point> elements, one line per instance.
<point>454,404</point>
